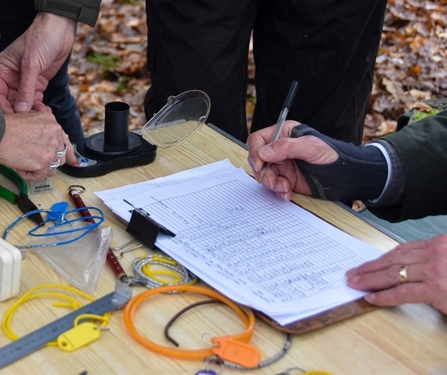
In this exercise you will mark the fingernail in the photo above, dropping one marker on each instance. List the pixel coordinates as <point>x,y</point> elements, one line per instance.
<point>266,151</point>
<point>281,188</point>
<point>252,166</point>
<point>352,280</point>
<point>270,183</point>
<point>370,297</point>
<point>351,272</point>
<point>20,106</point>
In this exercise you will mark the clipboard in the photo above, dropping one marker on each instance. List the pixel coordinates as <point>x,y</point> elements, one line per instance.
<point>334,315</point>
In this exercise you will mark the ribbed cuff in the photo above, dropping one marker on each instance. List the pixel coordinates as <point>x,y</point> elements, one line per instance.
<point>394,189</point>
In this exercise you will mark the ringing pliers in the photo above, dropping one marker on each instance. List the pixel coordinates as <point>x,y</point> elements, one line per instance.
<point>21,199</point>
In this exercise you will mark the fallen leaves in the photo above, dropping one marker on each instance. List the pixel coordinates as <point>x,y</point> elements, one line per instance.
<point>109,63</point>
<point>411,65</point>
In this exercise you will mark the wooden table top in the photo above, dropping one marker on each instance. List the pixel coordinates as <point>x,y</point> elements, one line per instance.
<point>410,339</point>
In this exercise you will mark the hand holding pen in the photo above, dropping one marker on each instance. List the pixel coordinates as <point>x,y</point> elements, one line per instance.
<point>282,117</point>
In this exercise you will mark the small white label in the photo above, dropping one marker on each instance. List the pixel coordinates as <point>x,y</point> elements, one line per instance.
<point>44,186</point>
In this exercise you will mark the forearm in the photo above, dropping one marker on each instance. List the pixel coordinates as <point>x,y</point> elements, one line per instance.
<point>85,11</point>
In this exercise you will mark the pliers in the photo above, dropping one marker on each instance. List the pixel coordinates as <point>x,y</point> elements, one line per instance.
<point>21,199</point>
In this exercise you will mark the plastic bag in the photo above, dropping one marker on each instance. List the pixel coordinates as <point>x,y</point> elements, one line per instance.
<point>80,262</point>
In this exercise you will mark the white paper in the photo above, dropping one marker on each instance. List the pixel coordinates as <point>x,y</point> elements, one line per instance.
<point>242,240</point>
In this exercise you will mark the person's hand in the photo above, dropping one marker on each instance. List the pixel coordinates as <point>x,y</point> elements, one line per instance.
<point>31,142</point>
<point>283,176</point>
<point>309,162</point>
<point>426,282</point>
<point>32,60</point>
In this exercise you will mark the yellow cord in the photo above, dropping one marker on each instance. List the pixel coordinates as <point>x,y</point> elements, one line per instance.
<point>176,278</point>
<point>72,303</point>
<point>172,272</point>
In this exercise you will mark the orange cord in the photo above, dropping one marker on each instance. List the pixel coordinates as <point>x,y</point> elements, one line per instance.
<point>248,318</point>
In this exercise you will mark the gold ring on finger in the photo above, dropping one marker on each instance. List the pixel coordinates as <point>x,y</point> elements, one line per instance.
<point>403,274</point>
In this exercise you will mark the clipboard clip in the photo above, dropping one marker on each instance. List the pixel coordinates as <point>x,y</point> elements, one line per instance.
<point>144,228</point>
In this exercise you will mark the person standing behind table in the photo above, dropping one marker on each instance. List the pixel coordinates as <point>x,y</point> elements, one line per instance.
<point>36,56</point>
<point>400,176</point>
<point>328,46</point>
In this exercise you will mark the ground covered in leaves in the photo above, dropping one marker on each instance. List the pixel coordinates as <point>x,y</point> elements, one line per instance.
<point>109,63</point>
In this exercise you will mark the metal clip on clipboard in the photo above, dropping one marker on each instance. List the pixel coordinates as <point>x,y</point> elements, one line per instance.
<point>144,228</point>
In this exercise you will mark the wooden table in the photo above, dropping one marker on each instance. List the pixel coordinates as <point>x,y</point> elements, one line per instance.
<point>410,339</point>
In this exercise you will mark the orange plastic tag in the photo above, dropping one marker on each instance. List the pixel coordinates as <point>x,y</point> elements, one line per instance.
<point>236,352</point>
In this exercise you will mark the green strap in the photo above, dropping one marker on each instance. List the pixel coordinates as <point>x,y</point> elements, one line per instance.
<point>7,194</point>
<point>14,176</point>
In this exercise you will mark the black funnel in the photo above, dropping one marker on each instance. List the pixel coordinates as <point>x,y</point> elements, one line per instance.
<point>116,139</point>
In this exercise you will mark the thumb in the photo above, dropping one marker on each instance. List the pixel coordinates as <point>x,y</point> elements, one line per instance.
<point>26,92</point>
<point>307,148</point>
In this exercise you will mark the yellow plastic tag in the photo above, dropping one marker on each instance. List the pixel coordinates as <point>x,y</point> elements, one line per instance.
<point>236,352</point>
<point>78,336</point>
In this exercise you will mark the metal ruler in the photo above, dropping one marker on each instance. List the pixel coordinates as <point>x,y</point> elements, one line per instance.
<point>36,339</point>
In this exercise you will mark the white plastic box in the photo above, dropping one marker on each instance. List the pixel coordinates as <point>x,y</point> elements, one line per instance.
<point>10,269</point>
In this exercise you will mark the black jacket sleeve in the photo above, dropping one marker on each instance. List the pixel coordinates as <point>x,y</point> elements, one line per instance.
<point>422,149</point>
<point>85,11</point>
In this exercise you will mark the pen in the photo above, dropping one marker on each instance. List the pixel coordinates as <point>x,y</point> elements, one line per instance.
<point>112,260</point>
<point>282,117</point>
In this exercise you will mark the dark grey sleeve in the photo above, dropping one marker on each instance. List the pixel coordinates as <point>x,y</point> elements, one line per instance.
<point>2,125</point>
<point>360,172</point>
<point>85,11</point>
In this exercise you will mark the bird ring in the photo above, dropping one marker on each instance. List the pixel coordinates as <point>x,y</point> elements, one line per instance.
<point>61,154</point>
<point>55,165</point>
<point>403,274</point>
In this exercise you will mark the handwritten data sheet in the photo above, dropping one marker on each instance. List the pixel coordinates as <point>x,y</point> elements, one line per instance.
<point>242,240</point>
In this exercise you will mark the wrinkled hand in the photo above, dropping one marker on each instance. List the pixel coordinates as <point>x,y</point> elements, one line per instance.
<point>426,263</point>
<point>31,142</point>
<point>283,176</point>
<point>32,60</point>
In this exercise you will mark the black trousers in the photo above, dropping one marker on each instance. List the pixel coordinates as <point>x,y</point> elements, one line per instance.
<point>329,46</point>
<point>15,18</point>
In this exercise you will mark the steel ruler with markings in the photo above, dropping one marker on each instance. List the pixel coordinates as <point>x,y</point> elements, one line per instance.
<point>38,338</point>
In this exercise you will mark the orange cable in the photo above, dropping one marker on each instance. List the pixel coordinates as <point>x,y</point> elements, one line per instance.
<point>247,317</point>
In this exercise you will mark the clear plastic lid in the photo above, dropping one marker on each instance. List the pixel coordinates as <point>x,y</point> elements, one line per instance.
<point>181,117</point>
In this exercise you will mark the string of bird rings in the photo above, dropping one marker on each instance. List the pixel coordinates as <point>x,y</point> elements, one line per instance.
<point>171,272</point>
